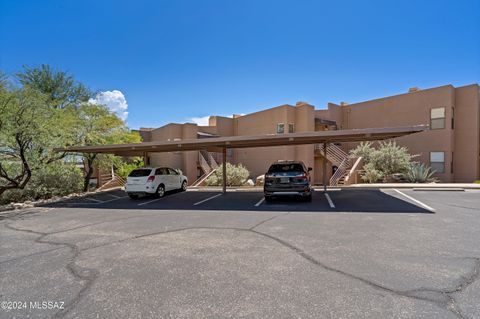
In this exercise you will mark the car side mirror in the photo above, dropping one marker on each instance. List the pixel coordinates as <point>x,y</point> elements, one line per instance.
<point>309,169</point>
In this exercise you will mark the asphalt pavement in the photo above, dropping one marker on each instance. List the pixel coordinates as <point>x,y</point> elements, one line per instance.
<point>361,253</point>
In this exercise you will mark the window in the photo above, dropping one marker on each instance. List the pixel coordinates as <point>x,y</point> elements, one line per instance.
<point>171,171</point>
<point>161,171</point>
<point>437,118</point>
<point>280,128</point>
<point>140,172</point>
<point>453,118</point>
<point>291,128</point>
<point>437,161</point>
<point>280,168</point>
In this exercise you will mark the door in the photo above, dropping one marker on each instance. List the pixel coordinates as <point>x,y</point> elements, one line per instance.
<point>175,178</point>
<point>161,177</point>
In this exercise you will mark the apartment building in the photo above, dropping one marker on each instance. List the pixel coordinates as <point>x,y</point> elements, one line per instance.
<point>451,146</point>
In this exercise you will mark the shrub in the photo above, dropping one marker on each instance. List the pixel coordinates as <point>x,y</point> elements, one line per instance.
<point>237,175</point>
<point>477,181</point>
<point>371,174</point>
<point>363,150</point>
<point>382,162</point>
<point>52,180</point>
<point>123,169</point>
<point>419,173</point>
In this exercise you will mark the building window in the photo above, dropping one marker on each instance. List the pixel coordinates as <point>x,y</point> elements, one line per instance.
<point>437,161</point>
<point>437,118</point>
<point>280,128</point>
<point>291,128</point>
<point>453,118</point>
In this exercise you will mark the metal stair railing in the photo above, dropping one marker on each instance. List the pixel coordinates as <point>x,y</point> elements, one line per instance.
<point>341,170</point>
<point>337,157</point>
<point>334,153</point>
<point>206,168</point>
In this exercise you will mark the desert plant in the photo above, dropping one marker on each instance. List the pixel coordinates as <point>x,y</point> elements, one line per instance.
<point>382,162</point>
<point>57,179</point>
<point>371,174</point>
<point>363,150</point>
<point>237,175</point>
<point>419,173</point>
<point>477,181</point>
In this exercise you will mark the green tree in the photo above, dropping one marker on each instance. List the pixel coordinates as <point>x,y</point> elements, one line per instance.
<point>29,130</point>
<point>60,88</point>
<point>97,125</point>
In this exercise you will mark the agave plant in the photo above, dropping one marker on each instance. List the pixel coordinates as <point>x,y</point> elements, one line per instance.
<point>420,173</point>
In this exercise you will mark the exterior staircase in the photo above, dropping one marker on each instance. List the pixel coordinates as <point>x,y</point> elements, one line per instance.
<point>110,180</point>
<point>340,159</point>
<point>207,164</point>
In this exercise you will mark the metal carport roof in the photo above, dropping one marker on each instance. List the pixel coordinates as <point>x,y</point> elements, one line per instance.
<point>216,144</point>
<point>220,144</point>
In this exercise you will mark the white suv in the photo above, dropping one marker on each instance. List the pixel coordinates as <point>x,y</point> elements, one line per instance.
<point>154,181</point>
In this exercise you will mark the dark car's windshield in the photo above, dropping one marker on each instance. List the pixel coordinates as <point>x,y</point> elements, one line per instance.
<point>140,173</point>
<point>279,168</point>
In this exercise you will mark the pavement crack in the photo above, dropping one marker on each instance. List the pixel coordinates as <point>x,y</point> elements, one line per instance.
<point>267,220</point>
<point>85,275</point>
<point>441,297</point>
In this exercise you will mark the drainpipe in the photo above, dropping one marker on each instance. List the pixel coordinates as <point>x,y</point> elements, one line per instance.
<point>224,170</point>
<point>324,167</point>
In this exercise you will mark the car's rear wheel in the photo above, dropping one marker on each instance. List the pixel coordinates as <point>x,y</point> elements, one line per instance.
<point>184,186</point>
<point>160,191</point>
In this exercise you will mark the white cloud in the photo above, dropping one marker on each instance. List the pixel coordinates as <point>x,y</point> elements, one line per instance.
<point>114,100</point>
<point>202,121</point>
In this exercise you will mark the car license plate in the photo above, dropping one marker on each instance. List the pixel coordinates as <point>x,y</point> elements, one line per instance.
<point>284,179</point>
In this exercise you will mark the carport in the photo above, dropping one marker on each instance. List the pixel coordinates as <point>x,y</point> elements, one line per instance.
<point>221,144</point>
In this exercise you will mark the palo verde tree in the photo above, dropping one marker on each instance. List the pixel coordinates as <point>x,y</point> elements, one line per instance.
<point>60,88</point>
<point>97,125</point>
<point>29,130</point>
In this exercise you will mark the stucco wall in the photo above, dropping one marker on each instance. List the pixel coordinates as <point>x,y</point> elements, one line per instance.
<point>409,109</point>
<point>467,134</point>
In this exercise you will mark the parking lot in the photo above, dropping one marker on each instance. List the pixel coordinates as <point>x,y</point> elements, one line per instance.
<point>352,200</point>
<point>356,253</point>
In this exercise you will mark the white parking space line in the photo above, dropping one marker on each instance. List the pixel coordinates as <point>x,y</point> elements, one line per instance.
<point>111,195</point>
<point>330,202</point>
<point>157,199</point>
<point>415,200</point>
<point>207,199</point>
<point>114,199</point>
<point>94,200</point>
<point>260,202</point>
<point>150,201</point>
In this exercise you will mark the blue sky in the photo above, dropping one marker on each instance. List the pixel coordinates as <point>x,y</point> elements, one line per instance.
<point>174,60</point>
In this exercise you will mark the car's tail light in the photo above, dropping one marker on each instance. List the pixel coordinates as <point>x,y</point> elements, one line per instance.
<point>269,179</point>
<point>301,178</point>
<point>150,179</point>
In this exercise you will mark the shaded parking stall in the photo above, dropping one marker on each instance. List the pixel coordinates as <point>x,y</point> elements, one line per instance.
<point>341,200</point>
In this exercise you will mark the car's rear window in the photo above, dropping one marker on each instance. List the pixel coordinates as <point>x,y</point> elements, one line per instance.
<point>278,168</point>
<point>140,173</point>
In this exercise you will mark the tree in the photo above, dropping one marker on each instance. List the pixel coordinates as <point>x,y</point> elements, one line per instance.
<point>60,88</point>
<point>29,130</point>
<point>98,125</point>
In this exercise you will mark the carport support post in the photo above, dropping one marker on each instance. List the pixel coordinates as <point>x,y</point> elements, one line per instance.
<point>224,170</point>
<point>324,167</point>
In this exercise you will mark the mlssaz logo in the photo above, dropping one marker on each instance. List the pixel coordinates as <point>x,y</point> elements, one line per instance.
<point>47,305</point>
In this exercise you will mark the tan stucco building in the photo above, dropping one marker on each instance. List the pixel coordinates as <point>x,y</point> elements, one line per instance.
<point>451,146</point>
